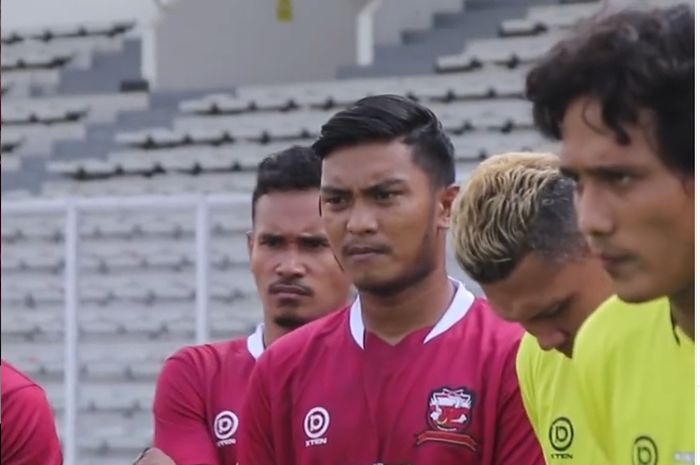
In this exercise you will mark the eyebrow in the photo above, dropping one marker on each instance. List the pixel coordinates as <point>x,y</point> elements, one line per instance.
<point>599,169</point>
<point>386,184</point>
<point>270,235</point>
<point>546,311</point>
<point>313,238</point>
<point>301,237</point>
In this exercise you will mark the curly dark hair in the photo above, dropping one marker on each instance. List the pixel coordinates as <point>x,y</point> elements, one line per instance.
<point>294,169</point>
<point>629,61</point>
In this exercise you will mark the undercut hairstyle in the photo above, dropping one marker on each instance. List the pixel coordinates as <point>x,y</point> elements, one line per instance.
<point>386,118</point>
<point>512,205</point>
<point>630,61</point>
<point>294,169</point>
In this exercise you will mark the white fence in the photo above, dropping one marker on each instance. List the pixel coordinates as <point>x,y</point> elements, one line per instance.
<point>72,208</point>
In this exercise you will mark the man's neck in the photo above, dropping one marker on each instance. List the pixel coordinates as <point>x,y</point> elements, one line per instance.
<point>272,332</point>
<point>683,310</point>
<point>392,318</point>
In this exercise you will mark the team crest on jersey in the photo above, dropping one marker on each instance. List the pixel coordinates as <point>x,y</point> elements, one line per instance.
<point>449,415</point>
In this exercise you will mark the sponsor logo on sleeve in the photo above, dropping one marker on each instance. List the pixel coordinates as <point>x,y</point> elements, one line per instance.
<point>225,426</point>
<point>644,451</point>
<point>316,423</point>
<point>561,436</point>
<point>449,415</point>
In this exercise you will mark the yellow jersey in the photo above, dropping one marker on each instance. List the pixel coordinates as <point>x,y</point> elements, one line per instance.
<point>549,391</point>
<point>635,371</point>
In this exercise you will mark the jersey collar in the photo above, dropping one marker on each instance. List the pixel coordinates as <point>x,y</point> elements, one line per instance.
<point>255,343</point>
<point>461,303</point>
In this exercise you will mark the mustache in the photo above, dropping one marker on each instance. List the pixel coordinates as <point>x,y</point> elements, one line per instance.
<point>354,247</point>
<point>290,284</point>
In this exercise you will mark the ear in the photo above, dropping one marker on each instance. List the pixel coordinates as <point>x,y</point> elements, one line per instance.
<point>447,196</point>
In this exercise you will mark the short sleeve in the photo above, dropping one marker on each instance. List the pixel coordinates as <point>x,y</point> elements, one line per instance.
<point>28,431</point>
<point>181,429</point>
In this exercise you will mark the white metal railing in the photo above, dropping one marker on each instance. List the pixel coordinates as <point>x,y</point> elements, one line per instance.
<point>73,208</point>
<point>365,32</point>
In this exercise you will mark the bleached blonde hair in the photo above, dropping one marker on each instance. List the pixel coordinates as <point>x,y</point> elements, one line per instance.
<point>513,204</point>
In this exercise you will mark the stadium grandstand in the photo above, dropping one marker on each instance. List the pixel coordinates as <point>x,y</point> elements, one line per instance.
<point>137,140</point>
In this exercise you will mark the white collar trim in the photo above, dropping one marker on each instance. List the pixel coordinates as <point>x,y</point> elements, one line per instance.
<point>255,343</point>
<point>461,303</point>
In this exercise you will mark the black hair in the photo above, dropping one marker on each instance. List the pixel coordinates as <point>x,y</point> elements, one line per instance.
<point>628,61</point>
<point>384,118</point>
<point>294,169</point>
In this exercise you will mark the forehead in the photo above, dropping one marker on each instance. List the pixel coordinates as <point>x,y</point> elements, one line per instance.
<point>534,283</point>
<point>368,164</point>
<point>288,213</point>
<point>588,142</point>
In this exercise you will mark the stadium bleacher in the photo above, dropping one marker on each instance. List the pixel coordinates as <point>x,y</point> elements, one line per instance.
<point>137,268</point>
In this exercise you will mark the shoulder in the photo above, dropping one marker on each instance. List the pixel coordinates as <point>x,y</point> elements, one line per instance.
<point>210,351</point>
<point>537,367</point>
<point>495,333</point>
<point>203,358</point>
<point>529,355</point>
<point>21,392</point>
<point>14,380</point>
<point>615,323</point>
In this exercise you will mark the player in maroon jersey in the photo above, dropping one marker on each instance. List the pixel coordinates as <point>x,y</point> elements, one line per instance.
<point>27,431</point>
<point>200,389</point>
<point>417,370</point>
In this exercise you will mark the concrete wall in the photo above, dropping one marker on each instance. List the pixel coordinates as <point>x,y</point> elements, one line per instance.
<point>22,14</point>
<point>223,43</point>
<point>395,16</point>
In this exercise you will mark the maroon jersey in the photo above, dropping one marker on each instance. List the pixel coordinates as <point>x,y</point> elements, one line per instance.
<point>27,430</point>
<point>331,393</point>
<point>198,400</point>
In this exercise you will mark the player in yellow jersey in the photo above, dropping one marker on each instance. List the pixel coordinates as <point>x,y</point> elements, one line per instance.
<point>620,95</point>
<point>514,232</point>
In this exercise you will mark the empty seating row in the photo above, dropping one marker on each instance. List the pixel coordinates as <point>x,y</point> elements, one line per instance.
<point>42,114</point>
<point>109,397</point>
<point>106,432</point>
<point>547,24</point>
<point>229,219</point>
<point>38,139</point>
<point>551,17</point>
<point>10,142</point>
<point>188,130</point>
<point>34,60</point>
<point>122,323</point>
<point>158,161</point>
<point>490,81</point>
<point>81,48</point>
<point>160,184</point>
<point>58,33</point>
<point>121,319</point>
<point>10,162</point>
<point>96,108</point>
<point>20,81</point>
<point>227,284</point>
<point>470,145</point>
<point>509,51</point>
<point>114,253</point>
<point>169,183</point>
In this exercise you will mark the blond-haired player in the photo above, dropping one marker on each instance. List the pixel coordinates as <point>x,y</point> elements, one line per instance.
<point>514,231</point>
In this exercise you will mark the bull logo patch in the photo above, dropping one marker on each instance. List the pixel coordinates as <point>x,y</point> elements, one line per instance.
<point>449,415</point>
